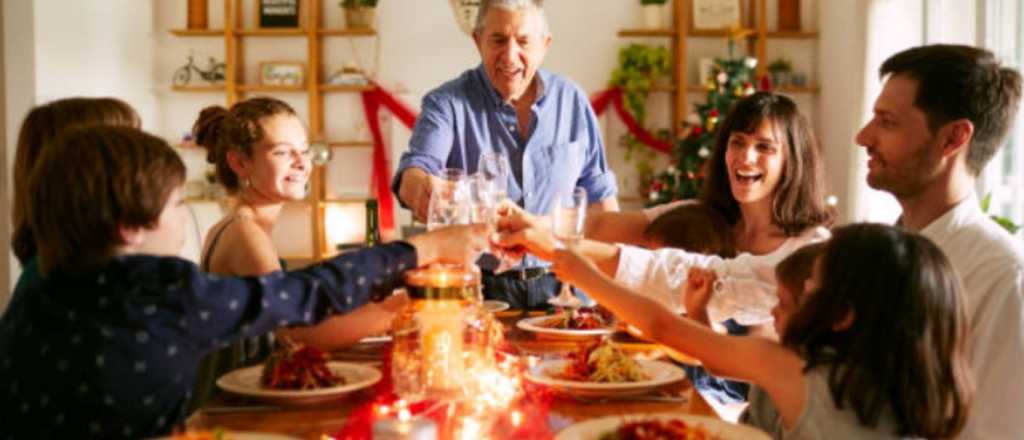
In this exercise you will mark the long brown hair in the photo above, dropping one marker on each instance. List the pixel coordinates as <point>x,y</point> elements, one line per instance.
<point>799,201</point>
<point>122,177</point>
<point>904,351</point>
<point>42,124</point>
<point>221,130</point>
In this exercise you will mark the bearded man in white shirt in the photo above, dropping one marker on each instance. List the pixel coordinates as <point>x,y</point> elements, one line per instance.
<point>943,113</point>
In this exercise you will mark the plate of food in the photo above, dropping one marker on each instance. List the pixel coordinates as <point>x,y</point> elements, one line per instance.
<point>662,425</point>
<point>604,370</point>
<point>299,375</point>
<point>582,323</point>
<point>495,305</point>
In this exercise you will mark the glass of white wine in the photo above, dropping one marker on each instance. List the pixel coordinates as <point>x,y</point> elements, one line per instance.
<point>449,199</point>
<point>567,221</point>
<point>493,166</point>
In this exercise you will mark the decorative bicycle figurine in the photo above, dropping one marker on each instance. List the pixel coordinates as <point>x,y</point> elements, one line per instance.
<point>213,73</point>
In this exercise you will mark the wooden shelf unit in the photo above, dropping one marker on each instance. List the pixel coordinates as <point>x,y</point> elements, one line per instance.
<point>681,31</point>
<point>235,86</point>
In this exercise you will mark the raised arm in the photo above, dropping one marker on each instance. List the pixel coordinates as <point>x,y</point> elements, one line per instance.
<point>746,290</point>
<point>431,142</point>
<point>776,369</point>
<point>216,309</point>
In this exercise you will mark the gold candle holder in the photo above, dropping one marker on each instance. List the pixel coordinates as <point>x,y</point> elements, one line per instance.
<point>438,336</point>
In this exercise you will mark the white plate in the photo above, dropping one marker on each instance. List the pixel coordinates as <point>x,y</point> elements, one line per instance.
<point>536,325</point>
<point>593,429</point>
<point>236,435</point>
<point>660,373</point>
<point>376,339</point>
<point>246,382</point>
<point>495,305</point>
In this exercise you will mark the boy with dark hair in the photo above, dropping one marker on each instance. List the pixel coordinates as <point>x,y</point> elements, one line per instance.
<point>106,341</point>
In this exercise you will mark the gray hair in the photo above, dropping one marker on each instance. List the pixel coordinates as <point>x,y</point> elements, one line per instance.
<point>512,5</point>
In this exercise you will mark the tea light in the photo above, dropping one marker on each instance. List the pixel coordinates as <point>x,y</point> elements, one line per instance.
<point>411,428</point>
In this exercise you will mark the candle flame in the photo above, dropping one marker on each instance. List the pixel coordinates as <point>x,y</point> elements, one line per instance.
<point>517,418</point>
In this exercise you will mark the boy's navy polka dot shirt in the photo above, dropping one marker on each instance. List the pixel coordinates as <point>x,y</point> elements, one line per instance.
<point>114,353</point>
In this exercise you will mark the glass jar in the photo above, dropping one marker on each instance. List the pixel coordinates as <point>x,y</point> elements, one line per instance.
<point>442,336</point>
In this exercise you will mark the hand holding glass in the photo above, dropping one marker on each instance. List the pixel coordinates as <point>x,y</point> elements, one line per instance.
<point>567,221</point>
<point>449,200</point>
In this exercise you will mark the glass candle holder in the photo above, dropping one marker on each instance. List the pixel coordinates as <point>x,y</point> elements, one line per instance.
<point>442,335</point>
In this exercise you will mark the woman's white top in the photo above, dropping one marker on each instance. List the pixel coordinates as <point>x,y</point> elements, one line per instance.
<point>745,290</point>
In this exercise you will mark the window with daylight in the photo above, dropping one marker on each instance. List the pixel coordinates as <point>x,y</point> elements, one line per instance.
<point>1002,31</point>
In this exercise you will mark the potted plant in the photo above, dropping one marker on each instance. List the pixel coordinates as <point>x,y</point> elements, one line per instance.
<point>653,13</point>
<point>359,14</point>
<point>780,70</point>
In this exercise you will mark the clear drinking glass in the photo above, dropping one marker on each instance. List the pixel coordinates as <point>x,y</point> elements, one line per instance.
<point>449,199</point>
<point>567,220</point>
<point>493,167</point>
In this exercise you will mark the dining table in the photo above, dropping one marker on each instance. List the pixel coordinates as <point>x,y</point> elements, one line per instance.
<point>319,421</point>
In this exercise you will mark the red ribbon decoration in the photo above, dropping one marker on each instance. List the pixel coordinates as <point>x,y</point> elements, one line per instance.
<point>613,96</point>
<point>377,97</point>
<point>373,99</point>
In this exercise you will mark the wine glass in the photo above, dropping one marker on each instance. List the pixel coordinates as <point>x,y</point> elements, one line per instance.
<point>567,220</point>
<point>449,199</point>
<point>494,167</point>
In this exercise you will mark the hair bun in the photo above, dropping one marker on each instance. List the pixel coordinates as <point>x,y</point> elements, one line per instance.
<point>207,130</point>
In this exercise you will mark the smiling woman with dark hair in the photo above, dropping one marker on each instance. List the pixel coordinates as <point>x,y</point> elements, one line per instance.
<point>765,178</point>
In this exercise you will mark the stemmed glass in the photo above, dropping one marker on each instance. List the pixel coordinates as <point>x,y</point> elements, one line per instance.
<point>449,199</point>
<point>493,167</point>
<point>567,220</point>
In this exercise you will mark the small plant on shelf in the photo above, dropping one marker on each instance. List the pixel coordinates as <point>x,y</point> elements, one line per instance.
<point>780,71</point>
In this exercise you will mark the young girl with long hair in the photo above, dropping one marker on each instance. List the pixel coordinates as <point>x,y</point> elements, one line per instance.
<point>875,350</point>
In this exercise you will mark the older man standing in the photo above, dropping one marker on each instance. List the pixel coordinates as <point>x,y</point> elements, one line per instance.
<point>941,116</point>
<point>542,122</point>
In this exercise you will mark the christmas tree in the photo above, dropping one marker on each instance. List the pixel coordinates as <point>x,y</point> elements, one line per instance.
<point>730,80</point>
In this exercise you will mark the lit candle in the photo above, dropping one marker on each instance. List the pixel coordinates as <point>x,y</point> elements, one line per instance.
<point>412,428</point>
<point>516,417</point>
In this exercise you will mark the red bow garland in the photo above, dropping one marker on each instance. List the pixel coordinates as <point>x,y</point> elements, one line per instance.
<point>377,97</point>
<point>373,99</point>
<point>613,96</point>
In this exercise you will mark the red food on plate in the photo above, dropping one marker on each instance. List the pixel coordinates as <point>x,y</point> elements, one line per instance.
<point>298,367</point>
<point>584,318</point>
<point>658,430</point>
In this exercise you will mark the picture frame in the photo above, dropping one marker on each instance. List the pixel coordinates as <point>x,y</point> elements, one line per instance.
<point>716,15</point>
<point>278,13</point>
<point>282,73</point>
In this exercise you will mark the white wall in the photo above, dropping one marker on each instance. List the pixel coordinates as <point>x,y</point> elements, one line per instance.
<point>57,48</point>
<point>19,85</point>
<point>96,48</point>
